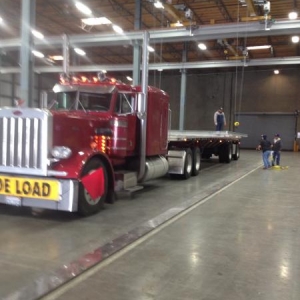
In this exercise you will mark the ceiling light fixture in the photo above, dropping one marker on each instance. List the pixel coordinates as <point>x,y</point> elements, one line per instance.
<point>56,57</point>
<point>37,34</point>
<point>83,8</point>
<point>258,47</point>
<point>293,15</point>
<point>160,70</point>
<point>178,24</point>
<point>96,21</point>
<point>129,78</point>
<point>1,20</point>
<point>38,54</point>
<point>117,29</point>
<point>202,46</point>
<point>276,72</point>
<point>158,4</point>
<point>79,51</point>
<point>150,49</point>
<point>295,39</point>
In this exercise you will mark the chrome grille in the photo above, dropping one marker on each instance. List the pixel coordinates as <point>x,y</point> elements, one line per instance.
<point>26,136</point>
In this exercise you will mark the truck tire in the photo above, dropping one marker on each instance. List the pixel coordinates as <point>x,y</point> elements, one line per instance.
<point>86,205</point>
<point>196,161</point>
<point>236,154</point>
<point>225,154</point>
<point>188,164</point>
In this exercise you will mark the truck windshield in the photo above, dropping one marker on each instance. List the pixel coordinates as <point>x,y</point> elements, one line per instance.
<point>84,101</point>
<point>65,100</point>
<point>94,101</point>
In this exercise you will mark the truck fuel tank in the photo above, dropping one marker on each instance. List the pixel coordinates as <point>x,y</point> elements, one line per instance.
<point>155,167</point>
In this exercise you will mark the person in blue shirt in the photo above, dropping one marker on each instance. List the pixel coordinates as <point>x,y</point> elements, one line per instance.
<point>219,119</point>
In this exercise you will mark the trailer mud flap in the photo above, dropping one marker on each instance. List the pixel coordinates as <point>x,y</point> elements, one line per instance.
<point>176,159</point>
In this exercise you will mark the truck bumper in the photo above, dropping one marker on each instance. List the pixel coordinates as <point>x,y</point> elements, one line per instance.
<point>68,198</point>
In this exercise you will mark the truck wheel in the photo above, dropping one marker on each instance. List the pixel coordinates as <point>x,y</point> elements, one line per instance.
<point>236,154</point>
<point>86,205</point>
<point>196,161</point>
<point>188,164</point>
<point>225,154</point>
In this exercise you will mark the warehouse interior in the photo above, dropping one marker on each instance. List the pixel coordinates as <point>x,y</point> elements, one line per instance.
<point>236,72</point>
<point>231,233</point>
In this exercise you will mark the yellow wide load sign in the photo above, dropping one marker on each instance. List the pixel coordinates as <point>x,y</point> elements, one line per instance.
<point>29,188</point>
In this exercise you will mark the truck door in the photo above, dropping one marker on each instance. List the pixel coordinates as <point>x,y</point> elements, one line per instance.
<point>125,110</point>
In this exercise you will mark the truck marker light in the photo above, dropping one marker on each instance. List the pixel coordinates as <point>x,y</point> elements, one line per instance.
<point>99,143</point>
<point>95,79</point>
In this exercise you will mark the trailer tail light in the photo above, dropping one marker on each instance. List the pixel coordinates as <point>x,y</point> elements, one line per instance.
<point>101,143</point>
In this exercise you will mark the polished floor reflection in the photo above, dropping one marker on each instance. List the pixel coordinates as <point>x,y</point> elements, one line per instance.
<point>240,241</point>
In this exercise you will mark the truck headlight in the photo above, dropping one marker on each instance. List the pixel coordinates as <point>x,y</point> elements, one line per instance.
<point>61,152</point>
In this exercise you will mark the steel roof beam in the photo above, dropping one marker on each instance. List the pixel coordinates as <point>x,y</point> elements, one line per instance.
<point>202,33</point>
<point>166,66</point>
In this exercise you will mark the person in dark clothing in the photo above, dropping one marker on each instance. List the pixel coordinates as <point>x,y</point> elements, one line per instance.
<point>219,119</point>
<point>276,147</point>
<point>265,147</point>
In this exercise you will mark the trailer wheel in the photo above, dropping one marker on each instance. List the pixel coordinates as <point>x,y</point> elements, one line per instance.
<point>236,154</point>
<point>225,154</point>
<point>188,164</point>
<point>86,205</point>
<point>196,161</point>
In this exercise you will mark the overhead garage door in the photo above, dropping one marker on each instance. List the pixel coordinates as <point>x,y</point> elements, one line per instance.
<point>257,124</point>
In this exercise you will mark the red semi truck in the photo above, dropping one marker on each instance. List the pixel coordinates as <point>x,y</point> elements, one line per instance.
<point>98,137</point>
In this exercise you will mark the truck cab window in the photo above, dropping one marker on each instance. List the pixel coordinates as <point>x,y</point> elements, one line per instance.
<point>124,104</point>
<point>94,102</point>
<point>65,100</point>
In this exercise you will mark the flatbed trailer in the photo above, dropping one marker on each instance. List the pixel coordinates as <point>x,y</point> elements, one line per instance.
<point>224,144</point>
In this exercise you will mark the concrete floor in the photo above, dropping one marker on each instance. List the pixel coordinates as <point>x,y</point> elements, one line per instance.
<point>239,241</point>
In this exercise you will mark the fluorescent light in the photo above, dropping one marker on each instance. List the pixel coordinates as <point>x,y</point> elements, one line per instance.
<point>293,15</point>
<point>104,71</point>
<point>258,47</point>
<point>83,8</point>
<point>117,29</point>
<point>276,72</point>
<point>79,51</point>
<point>160,70</point>
<point>37,34</point>
<point>158,4</point>
<point>96,21</point>
<point>128,78</point>
<point>56,57</point>
<point>202,46</point>
<point>38,54</point>
<point>295,39</point>
<point>1,20</point>
<point>178,24</point>
<point>150,49</point>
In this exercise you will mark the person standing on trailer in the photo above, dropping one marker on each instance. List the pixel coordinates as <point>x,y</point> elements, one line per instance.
<point>219,119</point>
<point>265,147</point>
<point>276,147</point>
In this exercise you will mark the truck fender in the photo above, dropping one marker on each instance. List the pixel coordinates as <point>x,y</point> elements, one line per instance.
<point>75,164</point>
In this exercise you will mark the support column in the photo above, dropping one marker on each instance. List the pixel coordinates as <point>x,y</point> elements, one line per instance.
<point>182,91</point>
<point>136,47</point>
<point>26,58</point>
